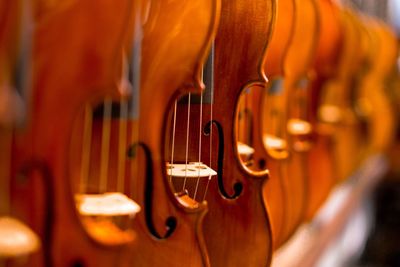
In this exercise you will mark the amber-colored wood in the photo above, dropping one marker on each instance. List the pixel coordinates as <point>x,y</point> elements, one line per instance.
<point>321,165</point>
<point>393,83</point>
<point>281,37</point>
<point>287,164</point>
<point>336,111</point>
<point>373,92</point>
<point>176,38</point>
<point>10,25</point>
<point>236,207</point>
<point>273,191</point>
<point>15,42</point>
<point>297,65</point>
<point>75,62</point>
<point>10,22</point>
<point>289,57</point>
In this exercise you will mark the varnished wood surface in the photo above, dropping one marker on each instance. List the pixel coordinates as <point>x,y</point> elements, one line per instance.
<point>322,176</point>
<point>373,97</point>
<point>240,46</point>
<point>337,92</point>
<point>322,55</point>
<point>18,195</point>
<point>273,190</point>
<point>176,38</point>
<point>74,64</point>
<point>11,23</point>
<point>296,65</point>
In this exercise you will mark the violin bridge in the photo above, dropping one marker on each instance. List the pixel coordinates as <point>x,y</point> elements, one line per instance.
<point>299,127</point>
<point>106,204</point>
<point>190,170</point>
<point>276,147</point>
<point>245,150</point>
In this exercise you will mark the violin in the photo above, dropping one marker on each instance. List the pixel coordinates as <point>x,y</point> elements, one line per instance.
<point>335,112</point>
<point>236,207</point>
<point>77,72</point>
<point>176,38</point>
<point>322,176</point>
<point>372,99</point>
<point>22,241</point>
<point>273,190</point>
<point>298,64</point>
<point>285,161</point>
<point>250,120</point>
<point>204,155</point>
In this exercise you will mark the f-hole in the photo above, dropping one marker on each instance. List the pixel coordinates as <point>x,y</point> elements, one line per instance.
<point>209,83</point>
<point>170,222</point>
<point>237,187</point>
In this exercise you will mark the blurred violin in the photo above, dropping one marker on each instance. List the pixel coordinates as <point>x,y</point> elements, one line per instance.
<point>22,241</point>
<point>322,175</point>
<point>250,118</point>
<point>372,93</point>
<point>336,114</point>
<point>79,74</point>
<point>176,38</point>
<point>285,126</point>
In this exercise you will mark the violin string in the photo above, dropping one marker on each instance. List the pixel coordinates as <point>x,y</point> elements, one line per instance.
<point>105,144</point>
<point>187,142</point>
<point>247,119</point>
<point>277,116</point>
<point>200,143</point>
<point>242,131</point>
<point>123,125</point>
<point>237,128</point>
<point>122,142</point>
<point>134,171</point>
<point>134,183</point>
<point>280,122</point>
<point>86,148</point>
<point>296,104</point>
<point>134,70</point>
<point>211,84</point>
<point>173,142</point>
<point>302,106</point>
<point>283,117</point>
<point>211,151</point>
<point>305,103</point>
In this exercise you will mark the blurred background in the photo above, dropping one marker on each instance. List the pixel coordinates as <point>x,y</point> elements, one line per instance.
<point>382,212</point>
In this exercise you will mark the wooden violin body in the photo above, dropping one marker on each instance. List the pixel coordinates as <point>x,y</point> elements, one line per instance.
<point>372,91</point>
<point>336,110</point>
<point>74,65</point>
<point>284,161</point>
<point>176,38</point>
<point>206,132</point>
<point>297,67</point>
<point>236,207</point>
<point>322,176</point>
<point>273,190</point>
<point>183,132</point>
<point>21,198</point>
